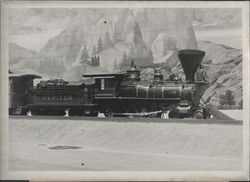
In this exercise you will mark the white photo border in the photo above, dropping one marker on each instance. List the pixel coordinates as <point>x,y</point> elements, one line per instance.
<point>124,175</point>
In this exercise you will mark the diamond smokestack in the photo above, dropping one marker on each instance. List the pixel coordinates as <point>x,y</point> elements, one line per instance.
<point>190,60</point>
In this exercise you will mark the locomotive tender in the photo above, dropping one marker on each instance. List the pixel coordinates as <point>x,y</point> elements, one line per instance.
<point>124,94</point>
<point>54,97</point>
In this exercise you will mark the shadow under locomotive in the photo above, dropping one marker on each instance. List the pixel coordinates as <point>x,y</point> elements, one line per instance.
<point>124,94</point>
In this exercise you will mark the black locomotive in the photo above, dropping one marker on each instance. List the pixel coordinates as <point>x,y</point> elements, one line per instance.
<point>124,94</point>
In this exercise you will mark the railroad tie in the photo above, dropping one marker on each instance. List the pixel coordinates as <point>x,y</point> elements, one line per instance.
<point>219,115</point>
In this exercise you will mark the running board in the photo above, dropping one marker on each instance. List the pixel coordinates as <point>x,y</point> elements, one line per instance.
<point>137,114</point>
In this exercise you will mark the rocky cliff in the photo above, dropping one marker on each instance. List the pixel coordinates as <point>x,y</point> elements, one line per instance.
<point>176,23</point>
<point>217,17</point>
<point>225,72</point>
<point>222,64</point>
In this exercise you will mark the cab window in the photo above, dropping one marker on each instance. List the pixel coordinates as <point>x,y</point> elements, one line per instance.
<point>102,84</point>
<point>109,83</point>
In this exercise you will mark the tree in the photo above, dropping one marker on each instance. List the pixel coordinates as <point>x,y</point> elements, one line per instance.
<point>227,100</point>
<point>116,65</point>
<point>94,52</point>
<point>84,55</point>
<point>241,104</point>
<point>107,40</point>
<point>115,37</point>
<point>124,59</point>
<point>150,56</point>
<point>99,45</point>
<point>95,60</point>
<point>131,52</point>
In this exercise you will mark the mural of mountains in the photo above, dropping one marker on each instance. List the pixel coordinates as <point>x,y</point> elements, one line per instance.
<point>217,18</point>
<point>121,31</point>
<point>105,40</point>
<point>18,53</point>
<point>34,20</point>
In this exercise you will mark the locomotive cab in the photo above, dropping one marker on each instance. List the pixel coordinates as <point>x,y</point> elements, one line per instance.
<point>106,84</point>
<point>20,92</point>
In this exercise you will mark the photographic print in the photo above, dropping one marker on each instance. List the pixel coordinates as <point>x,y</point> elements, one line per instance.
<point>126,87</point>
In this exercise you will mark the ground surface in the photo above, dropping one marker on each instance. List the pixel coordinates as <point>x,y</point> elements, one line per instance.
<point>235,114</point>
<point>81,144</point>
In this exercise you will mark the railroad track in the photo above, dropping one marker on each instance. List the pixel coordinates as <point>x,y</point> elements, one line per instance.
<point>125,119</point>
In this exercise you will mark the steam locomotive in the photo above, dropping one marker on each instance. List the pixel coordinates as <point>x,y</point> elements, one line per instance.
<point>124,94</point>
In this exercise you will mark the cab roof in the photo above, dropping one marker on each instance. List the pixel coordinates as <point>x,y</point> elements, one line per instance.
<point>18,75</point>
<point>105,75</point>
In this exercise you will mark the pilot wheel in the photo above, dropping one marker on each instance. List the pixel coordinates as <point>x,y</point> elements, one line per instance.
<point>108,113</point>
<point>173,114</point>
<point>198,114</point>
<point>208,115</point>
